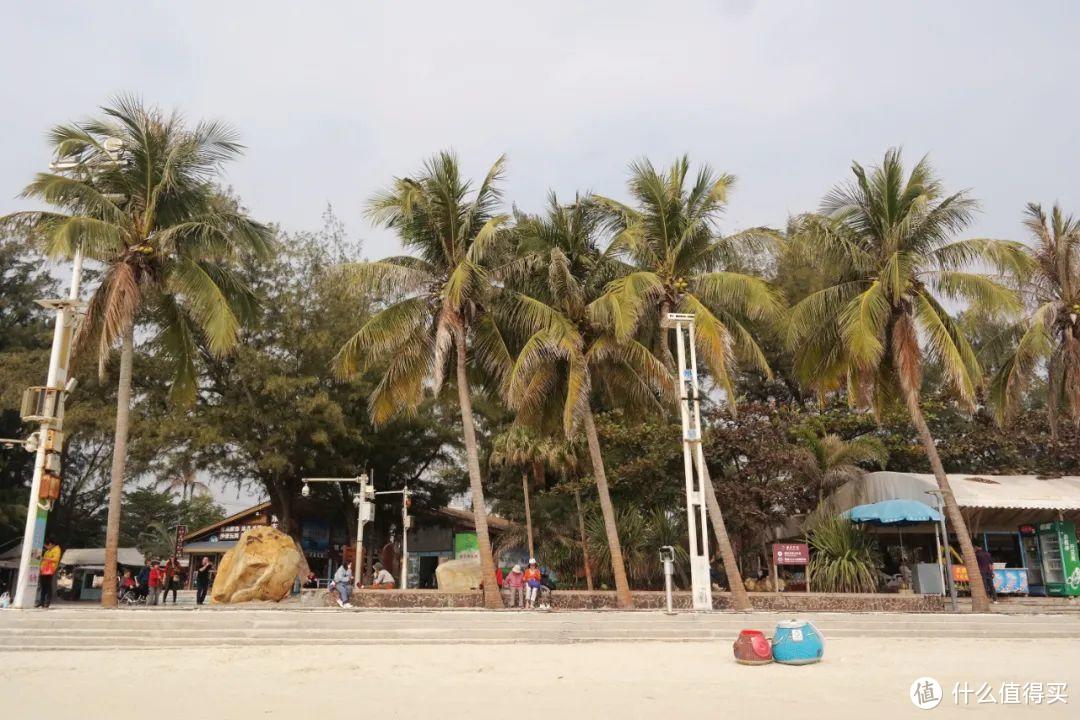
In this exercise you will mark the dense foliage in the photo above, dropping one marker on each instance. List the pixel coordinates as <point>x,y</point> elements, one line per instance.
<point>515,355</point>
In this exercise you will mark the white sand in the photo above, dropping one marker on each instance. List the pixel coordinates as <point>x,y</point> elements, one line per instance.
<point>860,678</point>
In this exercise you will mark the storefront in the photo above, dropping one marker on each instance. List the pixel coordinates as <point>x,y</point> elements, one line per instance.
<point>1026,523</point>
<point>215,540</point>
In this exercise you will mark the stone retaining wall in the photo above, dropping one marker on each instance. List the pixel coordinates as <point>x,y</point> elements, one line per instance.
<point>647,600</point>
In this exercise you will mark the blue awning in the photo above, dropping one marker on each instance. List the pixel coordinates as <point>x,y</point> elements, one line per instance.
<point>893,512</point>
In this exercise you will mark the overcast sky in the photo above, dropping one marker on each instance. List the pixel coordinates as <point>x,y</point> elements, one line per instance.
<point>334,99</point>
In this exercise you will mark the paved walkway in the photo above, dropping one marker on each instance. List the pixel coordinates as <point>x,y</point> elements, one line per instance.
<point>94,628</point>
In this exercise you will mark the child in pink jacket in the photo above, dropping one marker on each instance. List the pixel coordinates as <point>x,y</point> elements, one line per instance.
<point>515,580</point>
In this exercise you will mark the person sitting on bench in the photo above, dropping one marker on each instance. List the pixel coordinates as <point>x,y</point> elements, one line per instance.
<point>382,580</point>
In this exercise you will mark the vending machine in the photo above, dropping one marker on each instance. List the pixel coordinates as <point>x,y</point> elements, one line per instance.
<point>1060,558</point>
<point>1029,549</point>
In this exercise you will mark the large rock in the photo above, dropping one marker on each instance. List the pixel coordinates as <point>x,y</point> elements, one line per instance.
<point>458,575</point>
<point>263,566</point>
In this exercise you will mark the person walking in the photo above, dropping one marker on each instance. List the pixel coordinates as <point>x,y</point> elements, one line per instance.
<point>154,582</point>
<point>343,580</point>
<point>532,583</point>
<point>515,581</point>
<point>202,580</point>
<point>50,561</point>
<point>986,569</point>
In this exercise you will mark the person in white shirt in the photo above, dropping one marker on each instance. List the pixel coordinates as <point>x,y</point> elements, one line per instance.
<point>382,580</point>
<point>343,580</point>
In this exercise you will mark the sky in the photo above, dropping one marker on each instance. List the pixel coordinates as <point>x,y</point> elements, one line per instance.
<point>334,99</point>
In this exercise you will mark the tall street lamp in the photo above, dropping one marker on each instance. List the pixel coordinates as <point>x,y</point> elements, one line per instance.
<point>45,404</point>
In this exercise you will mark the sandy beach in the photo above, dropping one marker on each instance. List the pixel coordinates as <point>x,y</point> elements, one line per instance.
<point>860,678</point>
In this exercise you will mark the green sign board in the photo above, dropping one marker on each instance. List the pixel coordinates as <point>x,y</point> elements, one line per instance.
<point>465,546</point>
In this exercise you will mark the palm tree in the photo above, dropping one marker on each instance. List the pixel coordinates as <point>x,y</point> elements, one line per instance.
<point>187,483</point>
<point>573,349</point>
<point>886,240</point>
<point>1050,334</point>
<point>682,263</point>
<point>439,306</point>
<point>517,447</point>
<point>168,240</point>
<point>829,461</point>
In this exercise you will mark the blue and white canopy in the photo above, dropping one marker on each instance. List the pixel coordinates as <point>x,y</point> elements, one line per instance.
<point>893,512</point>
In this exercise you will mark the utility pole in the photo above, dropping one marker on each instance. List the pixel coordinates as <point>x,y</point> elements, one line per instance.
<point>365,512</point>
<point>406,524</point>
<point>45,405</point>
<point>693,460</point>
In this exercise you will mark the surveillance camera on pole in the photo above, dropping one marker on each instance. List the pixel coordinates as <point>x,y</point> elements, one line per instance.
<point>363,501</point>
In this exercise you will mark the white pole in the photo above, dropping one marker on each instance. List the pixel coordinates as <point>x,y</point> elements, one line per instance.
<point>699,561</point>
<point>405,539</point>
<point>37,512</point>
<point>358,563</point>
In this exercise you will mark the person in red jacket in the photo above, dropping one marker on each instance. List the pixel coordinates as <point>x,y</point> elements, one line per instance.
<point>154,583</point>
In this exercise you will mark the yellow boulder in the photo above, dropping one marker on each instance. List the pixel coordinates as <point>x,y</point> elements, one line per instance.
<point>263,566</point>
<point>458,575</point>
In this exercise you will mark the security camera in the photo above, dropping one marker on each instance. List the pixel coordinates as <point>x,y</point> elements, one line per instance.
<point>71,384</point>
<point>306,491</point>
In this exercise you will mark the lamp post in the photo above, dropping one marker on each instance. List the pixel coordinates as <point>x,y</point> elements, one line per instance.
<point>693,459</point>
<point>945,540</point>
<point>364,510</point>
<point>45,405</point>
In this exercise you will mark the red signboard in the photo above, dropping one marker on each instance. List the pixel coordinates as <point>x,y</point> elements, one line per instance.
<point>181,535</point>
<point>791,554</point>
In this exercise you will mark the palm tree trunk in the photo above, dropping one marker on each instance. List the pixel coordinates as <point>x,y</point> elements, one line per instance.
<point>492,596</point>
<point>979,601</point>
<point>528,512</point>
<point>739,599</point>
<point>665,347</point>
<point>584,541</point>
<point>618,566</point>
<point>119,461</point>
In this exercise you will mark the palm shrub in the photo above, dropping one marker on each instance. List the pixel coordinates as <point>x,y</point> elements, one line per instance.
<point>641,533</point>
<point>845,558</point>
<point>169,242</point>
<point>827,461</point>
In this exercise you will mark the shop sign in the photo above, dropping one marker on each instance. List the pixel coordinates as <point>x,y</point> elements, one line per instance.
<point>791,554</point>
<point>181,535</point>
<point>233,532</point>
